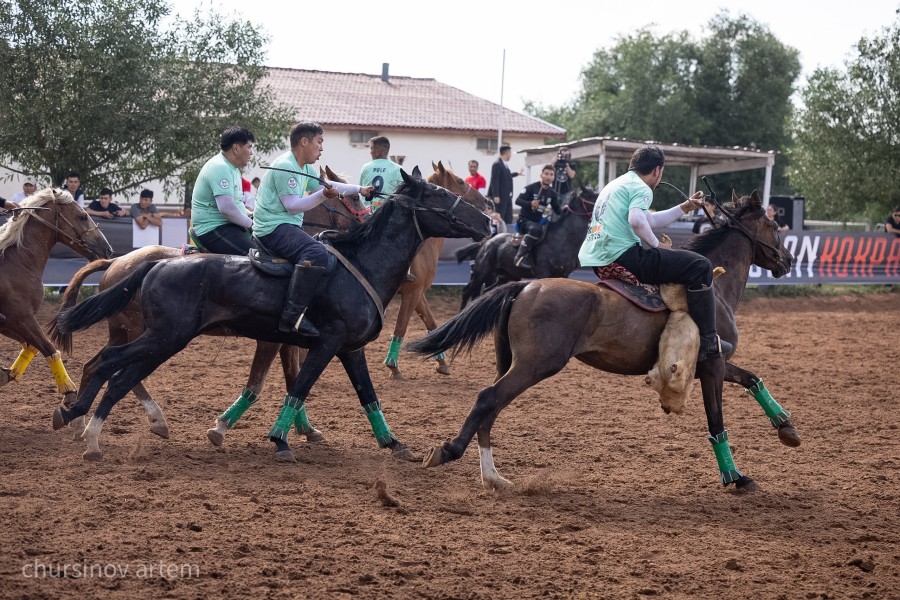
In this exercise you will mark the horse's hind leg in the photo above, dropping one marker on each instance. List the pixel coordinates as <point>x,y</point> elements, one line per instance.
<point>259,369</point>
<point>778,416</point>
<point>424,312</point>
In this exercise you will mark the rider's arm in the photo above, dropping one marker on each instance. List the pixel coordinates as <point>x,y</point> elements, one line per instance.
<point>295,204</point>
<point>664,217</point>
<point>227,207</point>
<point>345,189</point>
<point>637,218</point>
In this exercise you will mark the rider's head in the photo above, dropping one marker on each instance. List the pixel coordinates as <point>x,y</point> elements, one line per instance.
<point>548,174</point>
<point>648,162</point>
<point>237,145</point>
<point>307,139</point>
<point>379,147</point>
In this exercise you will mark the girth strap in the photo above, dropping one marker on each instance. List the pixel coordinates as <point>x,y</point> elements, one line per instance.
<point>361,279</point>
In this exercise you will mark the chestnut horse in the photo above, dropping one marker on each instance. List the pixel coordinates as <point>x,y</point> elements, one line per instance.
<point>47,217</point>
<point>604,330</point>
<point>424,268</point>
<point>334,214</point>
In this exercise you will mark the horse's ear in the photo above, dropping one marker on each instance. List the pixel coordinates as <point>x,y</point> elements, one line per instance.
<point>734,197</point>
<point>416,173</point>
<point>411,180</point>
<point>322,173</point>
<point>441,167</point>
<point>755,200</point>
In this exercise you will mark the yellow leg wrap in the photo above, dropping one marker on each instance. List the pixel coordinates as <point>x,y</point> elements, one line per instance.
<point>22,361</point>
<point>63,383</point>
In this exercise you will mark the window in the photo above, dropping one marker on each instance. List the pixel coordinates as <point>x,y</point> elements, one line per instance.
<point>361,137</point>
<point>488,145</point>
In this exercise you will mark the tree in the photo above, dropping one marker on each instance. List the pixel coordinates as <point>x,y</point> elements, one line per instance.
<point>729,88</point>
<point>102,87</point>
<point>846,160</point>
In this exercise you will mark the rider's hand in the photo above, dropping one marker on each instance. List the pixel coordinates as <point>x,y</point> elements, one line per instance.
<point>697,199</point>
<point>665,242</point>
<point>331,192</point>
<point>367,191</point>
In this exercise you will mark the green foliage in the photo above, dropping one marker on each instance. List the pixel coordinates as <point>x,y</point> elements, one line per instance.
<point>106,88</point>
<point>847,156</point>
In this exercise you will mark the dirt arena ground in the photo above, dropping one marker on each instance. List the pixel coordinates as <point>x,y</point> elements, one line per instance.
<point>614,499</point>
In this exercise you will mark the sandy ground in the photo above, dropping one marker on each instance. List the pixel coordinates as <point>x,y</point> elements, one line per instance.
<point>614,499</point>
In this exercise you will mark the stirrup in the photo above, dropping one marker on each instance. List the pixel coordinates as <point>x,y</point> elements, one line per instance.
<point>410,276</point>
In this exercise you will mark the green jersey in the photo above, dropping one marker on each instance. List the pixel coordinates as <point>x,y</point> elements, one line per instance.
<point>609,234</point>
<point>384,176</point>
<point>218,177</point>
<point>269,212</point>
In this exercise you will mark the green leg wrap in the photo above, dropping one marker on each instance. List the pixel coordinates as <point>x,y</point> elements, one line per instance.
<point>301,421</point>
<point>439,355</point>
<point>777,415</point>
<point>379,425</point>
<point>393,356</point>
<point>286,417</point>
<point>236,411</point>
<point>727,469</point>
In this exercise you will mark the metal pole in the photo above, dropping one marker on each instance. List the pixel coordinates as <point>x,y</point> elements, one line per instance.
<point>500,119</point>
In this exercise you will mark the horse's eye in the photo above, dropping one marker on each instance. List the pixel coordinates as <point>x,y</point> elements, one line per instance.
<point>83,216</point>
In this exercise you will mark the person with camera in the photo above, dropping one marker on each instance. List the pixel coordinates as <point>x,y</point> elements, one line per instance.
<point>536,203</point>
<point>564,175</point>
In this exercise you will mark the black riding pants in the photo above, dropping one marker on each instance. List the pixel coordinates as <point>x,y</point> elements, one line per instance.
<point>656,265</point>
<point>226,239</point>
<point>294,244</point>
<point>526,227</point>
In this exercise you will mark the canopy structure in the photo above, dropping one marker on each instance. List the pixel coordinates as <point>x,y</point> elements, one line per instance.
<point>703,160</point>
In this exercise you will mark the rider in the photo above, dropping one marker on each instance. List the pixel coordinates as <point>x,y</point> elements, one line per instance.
<point>278,220</point>
<point>621,220</point>
<point>218,214</point>
<point>535,203</point>
<point>382,173</point>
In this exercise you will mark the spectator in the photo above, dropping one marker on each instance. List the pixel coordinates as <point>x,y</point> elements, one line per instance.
<point>892,225</point>
<point>28,188</point>
<point>255,183</point>
<point>772,213</point>
<point>249,198</point>
<point>565,171</point>
<point>702,224</point>
<point>476,179</point>
<point>500,190</point>
<point>381,173</point>
<point>536,203</point>
<point>73,186</point>
<point>104,206</point>
<point>145,212</point>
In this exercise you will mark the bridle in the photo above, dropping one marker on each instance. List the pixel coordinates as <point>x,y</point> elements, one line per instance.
<point>352,214</point>
<point>586,205</point>
<point>443,212</point>
<point>75,241</point>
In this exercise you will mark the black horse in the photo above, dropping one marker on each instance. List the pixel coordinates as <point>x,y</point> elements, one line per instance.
<point>182,299</point>
<point>555,256</point>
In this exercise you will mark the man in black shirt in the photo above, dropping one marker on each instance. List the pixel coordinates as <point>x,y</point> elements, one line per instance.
<point>536,203</point>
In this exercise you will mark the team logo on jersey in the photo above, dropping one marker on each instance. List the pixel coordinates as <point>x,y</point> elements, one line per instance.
<point>292,182</point>
<point>224,184</point>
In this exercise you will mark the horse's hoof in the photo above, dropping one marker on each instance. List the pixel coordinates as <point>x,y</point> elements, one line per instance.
<point>59,420</point>
<point>745,484</point>
<point>788,435</point>
<point>434,457</point>
<point>314,437</point>
<point>498,485</point>
<point>215,438</point>
<point>285,456</point>
<point>402,451</point>
<point>4,377</point>
<point>77,426</point>
<point>92,455</point>
<point>396,375</point>
<point>443,369</point>
<point>160,429</point>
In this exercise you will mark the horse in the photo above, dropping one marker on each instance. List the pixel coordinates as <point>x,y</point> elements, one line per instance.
<point>602,329</point>
<point>45,218</point>
<point>181,299</point>
<point>424,268</point>
<point>555,256</point>
<point>336,214</point>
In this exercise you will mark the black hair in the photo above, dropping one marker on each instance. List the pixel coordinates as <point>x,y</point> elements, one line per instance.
<point>105,192</point>
<point>645,159</point>
<point>147,194</point>
<point>73,174</point>
<point>235,134</point>
<point>307,130</point>
<point>504,148</point>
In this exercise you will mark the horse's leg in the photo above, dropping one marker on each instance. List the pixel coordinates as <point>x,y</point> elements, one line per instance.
<point>295,401</point>
<point>17,369</point>
<point>711,373</point>
<point>292,357</point>
<point>778,416</point>
<point>121,333</point>
<point>424,312</point>
<point>410,294</point>
<point>358,370</point>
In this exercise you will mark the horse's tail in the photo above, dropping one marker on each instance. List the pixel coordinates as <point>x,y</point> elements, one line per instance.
<point>468,252</point>
<point>103,305</point>
<point>477,320</point>
<point>61,340</point>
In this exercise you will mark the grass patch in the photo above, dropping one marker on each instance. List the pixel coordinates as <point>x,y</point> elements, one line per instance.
<point>53,295</point>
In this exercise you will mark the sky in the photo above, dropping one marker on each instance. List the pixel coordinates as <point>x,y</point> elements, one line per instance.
<point>462,43</point>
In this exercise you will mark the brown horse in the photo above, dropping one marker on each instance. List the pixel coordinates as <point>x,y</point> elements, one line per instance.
<point>337,214</point>
<point>602,329</point>
<point>424,268</point>
<point>47,217</point>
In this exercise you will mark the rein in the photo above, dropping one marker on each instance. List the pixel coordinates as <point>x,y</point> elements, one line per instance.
<point>77,241</point>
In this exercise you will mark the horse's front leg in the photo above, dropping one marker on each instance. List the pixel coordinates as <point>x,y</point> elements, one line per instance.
<point>358,371</point>
<point>779,417</point>
<point>711,374</point>
<point>292,358</point>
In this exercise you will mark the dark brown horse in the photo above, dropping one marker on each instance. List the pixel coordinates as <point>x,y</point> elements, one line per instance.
<point>48,217</point>
<point>424,268</point>
<point>602,329</point>
<point>335,214</point>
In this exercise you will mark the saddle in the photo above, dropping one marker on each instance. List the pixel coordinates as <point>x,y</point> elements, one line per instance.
<point>267,262</point>
<point>623,282</point>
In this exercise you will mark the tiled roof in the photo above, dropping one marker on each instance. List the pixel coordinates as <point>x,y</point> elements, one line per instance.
<point>403,102</point>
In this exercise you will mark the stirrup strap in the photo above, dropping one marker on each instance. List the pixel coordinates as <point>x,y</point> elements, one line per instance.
<point>362,280</point>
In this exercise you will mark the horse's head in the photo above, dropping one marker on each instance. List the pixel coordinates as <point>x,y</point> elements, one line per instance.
<point>449,180</point>
<point>438,212</point>
<point>351,204</point>
<point>768,250</point>
<point>582,204</point>
<point>65,220</point>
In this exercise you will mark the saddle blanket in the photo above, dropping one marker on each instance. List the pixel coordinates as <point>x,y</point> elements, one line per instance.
<point>639,295</point>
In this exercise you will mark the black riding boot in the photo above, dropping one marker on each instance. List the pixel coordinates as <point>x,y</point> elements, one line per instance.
<point>524,249</point>
<point>702,307</point>
<point>302,289</point>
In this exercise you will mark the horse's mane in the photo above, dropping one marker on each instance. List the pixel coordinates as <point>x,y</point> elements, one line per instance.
<point>374,226</point>
<point>11,232</point>
<point>711,238</point>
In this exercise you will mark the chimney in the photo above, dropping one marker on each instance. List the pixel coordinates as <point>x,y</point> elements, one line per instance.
<point>384,72</point>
